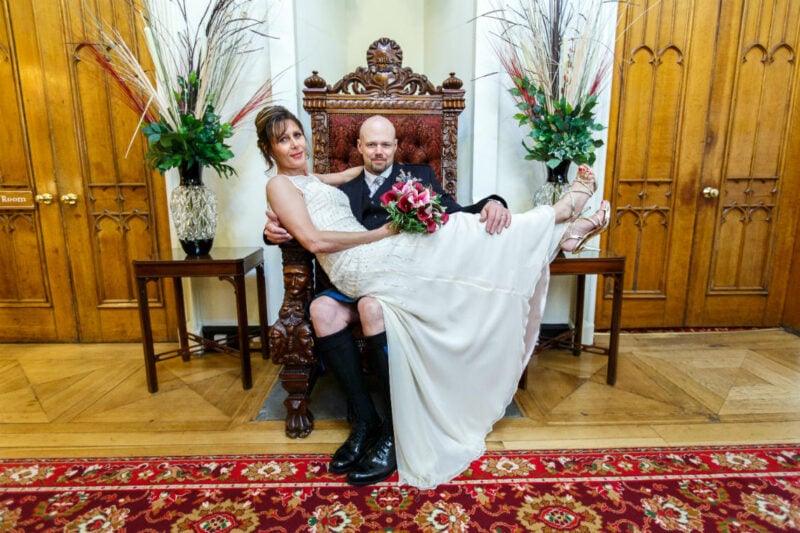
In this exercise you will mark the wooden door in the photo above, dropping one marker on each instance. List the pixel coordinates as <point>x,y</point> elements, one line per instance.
<point>74,210</point>
<point>703,161</point>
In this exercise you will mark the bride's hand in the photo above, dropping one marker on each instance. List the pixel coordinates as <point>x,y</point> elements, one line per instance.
<point>390,229</point>
<point>352,173</point>
<point>338,178</point>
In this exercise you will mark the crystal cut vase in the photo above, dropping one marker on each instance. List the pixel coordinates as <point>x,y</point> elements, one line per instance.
<point>194,212</point>
<point>556,185</point>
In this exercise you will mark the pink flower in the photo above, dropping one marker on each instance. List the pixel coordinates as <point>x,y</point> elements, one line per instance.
<point>423,198</point>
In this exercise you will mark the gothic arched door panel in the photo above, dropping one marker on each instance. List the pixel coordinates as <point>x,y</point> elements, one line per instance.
<point>703,161</point>
<point>78,204</point>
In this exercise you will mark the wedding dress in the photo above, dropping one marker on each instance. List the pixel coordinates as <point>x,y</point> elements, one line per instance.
<point>462,310</point>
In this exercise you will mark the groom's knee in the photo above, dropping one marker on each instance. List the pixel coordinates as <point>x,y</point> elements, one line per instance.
<point>371,314</point>
<point>329,316</point>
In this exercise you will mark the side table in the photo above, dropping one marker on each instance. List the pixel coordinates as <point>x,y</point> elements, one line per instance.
<point>229,264</point>
<point>606,264</point>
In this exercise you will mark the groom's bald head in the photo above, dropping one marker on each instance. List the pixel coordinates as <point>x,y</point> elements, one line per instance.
<point>377,143</point>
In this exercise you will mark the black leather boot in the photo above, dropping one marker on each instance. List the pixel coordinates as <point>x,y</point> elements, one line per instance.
<point>380,461</point>
<point>362,436</point>
<point>341,356</point>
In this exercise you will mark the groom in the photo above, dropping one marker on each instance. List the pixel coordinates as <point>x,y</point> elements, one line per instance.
<point>368,456</point>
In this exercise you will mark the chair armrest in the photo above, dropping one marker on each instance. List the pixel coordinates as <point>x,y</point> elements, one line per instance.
<point>291,339</point>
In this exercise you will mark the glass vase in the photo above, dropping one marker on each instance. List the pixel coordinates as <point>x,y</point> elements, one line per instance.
<point>194,212</point>
<point>556,185</point>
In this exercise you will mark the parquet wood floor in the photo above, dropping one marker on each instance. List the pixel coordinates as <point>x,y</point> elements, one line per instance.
<point>83,400</point>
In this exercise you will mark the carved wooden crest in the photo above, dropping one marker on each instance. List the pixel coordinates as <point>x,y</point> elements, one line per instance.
<point>384,74</point>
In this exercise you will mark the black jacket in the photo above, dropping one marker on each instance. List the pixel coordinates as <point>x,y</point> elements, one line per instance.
<point>371,213</point>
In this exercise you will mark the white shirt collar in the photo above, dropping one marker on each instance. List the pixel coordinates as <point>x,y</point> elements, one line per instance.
<point>370,177</point>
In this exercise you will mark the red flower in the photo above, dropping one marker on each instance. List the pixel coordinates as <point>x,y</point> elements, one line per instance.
<point>425,213</point>
<point>389,196</point>
<point>405,203</point>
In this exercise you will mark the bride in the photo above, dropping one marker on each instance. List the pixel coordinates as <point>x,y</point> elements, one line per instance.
<point>462,307</point>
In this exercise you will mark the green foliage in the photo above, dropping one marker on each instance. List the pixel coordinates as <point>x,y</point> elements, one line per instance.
<point>405,223</point>
<point>563,133</point>
<point>198,142</point>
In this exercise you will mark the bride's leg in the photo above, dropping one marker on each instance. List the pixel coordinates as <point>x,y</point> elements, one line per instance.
<point>584,228</point>
<point>570,206</point>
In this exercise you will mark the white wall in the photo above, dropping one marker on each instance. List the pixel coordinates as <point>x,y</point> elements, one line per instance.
<point>332,36</point>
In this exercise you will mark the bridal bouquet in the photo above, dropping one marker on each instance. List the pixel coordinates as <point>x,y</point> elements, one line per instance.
<point>414,207</point>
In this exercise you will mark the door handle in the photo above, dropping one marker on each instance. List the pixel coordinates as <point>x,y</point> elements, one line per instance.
<point>69,199</point>
<point>710,192</point>
<point>45,198</point>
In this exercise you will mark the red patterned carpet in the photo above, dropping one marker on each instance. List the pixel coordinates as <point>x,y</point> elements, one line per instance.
<point>721,489</point>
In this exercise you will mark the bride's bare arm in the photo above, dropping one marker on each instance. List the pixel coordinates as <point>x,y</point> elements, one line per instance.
<point>287,202</point>
<point>337,178</point>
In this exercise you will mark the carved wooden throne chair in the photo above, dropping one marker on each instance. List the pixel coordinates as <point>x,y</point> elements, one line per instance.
<point>426,120</point>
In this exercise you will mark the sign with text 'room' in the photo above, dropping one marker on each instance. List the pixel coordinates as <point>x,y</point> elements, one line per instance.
<point>16,200</point>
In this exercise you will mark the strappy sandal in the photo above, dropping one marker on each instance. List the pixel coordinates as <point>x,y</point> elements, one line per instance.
<point>598,226</point>
<point>584,179</point>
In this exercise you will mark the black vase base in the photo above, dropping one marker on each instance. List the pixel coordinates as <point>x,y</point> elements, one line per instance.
<point>197,247</point>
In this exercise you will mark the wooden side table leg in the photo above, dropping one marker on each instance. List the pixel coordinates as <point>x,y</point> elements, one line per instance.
<point>263,327</point>
<point>177,286</point>
<point>147,335</point>
<point>577,340</point>
<point>244,331</point>
<point>613,341</point>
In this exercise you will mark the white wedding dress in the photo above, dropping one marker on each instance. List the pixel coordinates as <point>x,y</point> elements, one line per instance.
<point>462,311</point>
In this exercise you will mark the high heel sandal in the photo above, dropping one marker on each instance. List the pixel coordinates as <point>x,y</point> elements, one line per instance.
<point>598,226</point>
<point>585,179</point>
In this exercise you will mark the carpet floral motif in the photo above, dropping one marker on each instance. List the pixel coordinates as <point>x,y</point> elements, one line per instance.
<point>719,489</point>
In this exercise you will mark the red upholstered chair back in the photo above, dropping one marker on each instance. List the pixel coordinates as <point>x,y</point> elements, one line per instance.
<point>425,116</point>
<point>419,140</point>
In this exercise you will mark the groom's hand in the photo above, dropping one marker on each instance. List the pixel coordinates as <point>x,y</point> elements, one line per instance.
<point>274,231</point>
<point>496,217</point>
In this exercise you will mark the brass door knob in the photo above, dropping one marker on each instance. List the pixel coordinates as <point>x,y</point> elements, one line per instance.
<point>710,192</point>
<point>45,198</point>
<point>69,199</point>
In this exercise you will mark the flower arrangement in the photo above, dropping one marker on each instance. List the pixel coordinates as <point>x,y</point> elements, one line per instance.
<point>196,71</point>
<point>563,132</point>
<point>413,207</point>
<point>555,55</point>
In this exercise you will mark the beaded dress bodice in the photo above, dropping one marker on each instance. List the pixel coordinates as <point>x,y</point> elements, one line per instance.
<point>329,209</point>
<point>328,206</point>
